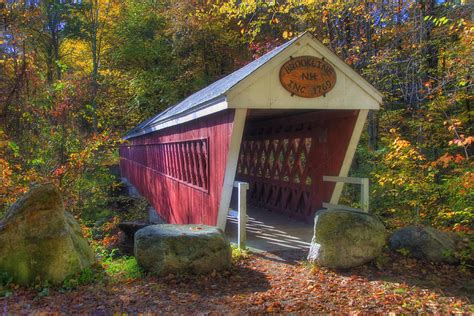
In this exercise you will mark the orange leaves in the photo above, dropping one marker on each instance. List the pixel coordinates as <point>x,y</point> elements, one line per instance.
<point>453,124</point>
<point>462,141</point>
<point>446,159</point>
<point>273,307</point>
<point>12,177</point>
<point>111,225</point>
<point>462,228</point>
<point>109,241</point>
<point>59,171</point>
<point>403,286</point>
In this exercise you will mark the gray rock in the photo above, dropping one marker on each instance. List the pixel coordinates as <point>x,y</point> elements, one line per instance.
<point>172,249</point>
<point>40,242</point>
<point>345,239</point>
<point>425,243</point>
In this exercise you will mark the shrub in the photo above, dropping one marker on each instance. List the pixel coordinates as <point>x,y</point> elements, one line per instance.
<point>238,254</point>
<point>122,269</point>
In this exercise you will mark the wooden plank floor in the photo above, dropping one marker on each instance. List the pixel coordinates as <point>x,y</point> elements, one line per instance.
<point>271,232</point>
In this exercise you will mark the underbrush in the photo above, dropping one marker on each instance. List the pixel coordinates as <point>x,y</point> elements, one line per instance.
<point>121,269</point>
<point>108,270</point>
<point>238,254</point>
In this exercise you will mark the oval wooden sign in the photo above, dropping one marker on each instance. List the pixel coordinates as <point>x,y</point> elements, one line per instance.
<point>307,76</point>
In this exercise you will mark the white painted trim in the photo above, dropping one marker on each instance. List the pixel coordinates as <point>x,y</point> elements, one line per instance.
<point>242,188</point>
<point>258,73</point>
<point>364,195</point>
<point>364,190</point>
<point>222,105</point>
<point>305,40</point>
<point>231,166</point>
<point>346,164</point>
<point>371,100</point>
<point>346,69</point>
<point>344,179</point>
<point>330,206</point>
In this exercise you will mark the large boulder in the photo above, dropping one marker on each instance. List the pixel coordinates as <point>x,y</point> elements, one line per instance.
<point>173,249</point>
<point>40,242</point>
<point>425,243</point>
<point>345,239</point>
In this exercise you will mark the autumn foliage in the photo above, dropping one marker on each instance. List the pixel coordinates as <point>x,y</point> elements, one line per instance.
<point>77,75</point>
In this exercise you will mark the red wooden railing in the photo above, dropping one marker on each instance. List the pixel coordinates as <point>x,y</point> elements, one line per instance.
<point>184,161</point>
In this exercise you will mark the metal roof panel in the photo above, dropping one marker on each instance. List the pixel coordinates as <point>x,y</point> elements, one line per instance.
<point>204,97</point>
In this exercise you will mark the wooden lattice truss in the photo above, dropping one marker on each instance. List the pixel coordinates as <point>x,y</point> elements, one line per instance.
<point>284,160</point>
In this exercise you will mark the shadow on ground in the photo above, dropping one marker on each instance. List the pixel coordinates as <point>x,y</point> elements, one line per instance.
<point>446,280</point>
<point>271,232</point>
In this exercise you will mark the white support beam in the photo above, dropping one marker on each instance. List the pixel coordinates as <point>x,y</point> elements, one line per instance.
<point>364,192</point>
<point>242,188</point>
<point>343,179</point>
<point>346,164</point>
<point>330,206</point>
<point>231,166</point>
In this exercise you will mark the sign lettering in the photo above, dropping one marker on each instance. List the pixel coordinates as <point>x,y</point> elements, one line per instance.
<point>307,76</point>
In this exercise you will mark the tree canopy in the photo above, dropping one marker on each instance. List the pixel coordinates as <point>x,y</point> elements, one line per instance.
<point>76,75</point>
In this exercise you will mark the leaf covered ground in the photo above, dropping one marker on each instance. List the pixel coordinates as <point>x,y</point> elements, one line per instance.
<point>266,283</point>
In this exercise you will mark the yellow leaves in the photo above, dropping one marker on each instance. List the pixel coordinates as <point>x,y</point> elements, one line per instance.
<point>77,55</point>
<point>452,124</point>
<point>287,34</point>
<point>402,150</point>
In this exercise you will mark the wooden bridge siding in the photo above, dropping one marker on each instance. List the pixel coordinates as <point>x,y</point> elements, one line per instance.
<point>175,201</point>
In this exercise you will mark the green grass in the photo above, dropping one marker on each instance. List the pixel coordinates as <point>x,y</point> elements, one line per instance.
<point>239,254</point>
<point>122,269</point>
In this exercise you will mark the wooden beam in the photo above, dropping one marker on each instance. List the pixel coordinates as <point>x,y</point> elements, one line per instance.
<point>331,206</point>
<point>231,166</point>
<point>349,154</point>
<point>364,191</point>
<point>242,188</point>
<point>344,179</point>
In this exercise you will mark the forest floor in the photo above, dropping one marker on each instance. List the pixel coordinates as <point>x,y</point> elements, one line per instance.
<point>267,283</point>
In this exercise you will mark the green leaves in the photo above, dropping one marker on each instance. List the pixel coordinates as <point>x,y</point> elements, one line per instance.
<point>14,148</point>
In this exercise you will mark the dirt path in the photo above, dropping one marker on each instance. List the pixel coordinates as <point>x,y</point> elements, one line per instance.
<point>268,283</point>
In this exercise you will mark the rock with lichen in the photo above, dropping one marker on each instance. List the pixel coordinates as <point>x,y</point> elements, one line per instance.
<point>173,249</point>
<point>40,242</point>
<point>344,239</point>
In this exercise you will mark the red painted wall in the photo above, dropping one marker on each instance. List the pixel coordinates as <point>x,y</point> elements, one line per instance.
<point>335,132</point>
<point>175,201</point>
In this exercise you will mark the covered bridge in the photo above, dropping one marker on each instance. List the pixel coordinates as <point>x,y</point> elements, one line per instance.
<point>280,123</point>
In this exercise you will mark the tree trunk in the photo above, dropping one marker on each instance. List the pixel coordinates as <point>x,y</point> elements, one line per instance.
<point>373,130</point>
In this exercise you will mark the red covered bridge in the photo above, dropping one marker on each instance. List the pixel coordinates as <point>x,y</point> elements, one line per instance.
<point>280,123</point>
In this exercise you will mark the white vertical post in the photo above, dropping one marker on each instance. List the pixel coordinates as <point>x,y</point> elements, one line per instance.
<point>364,194</point>
<point>242,188</point>
<point>231,166</point>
